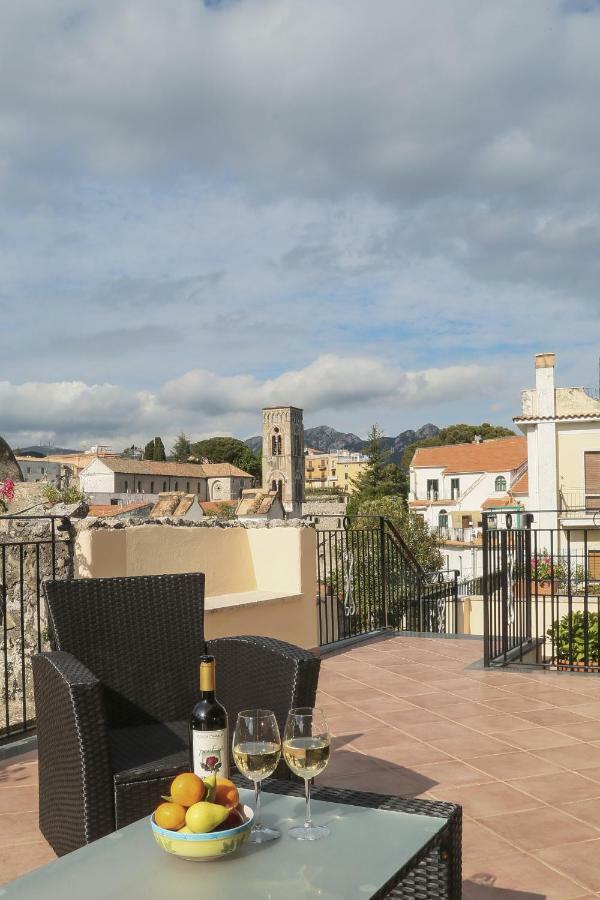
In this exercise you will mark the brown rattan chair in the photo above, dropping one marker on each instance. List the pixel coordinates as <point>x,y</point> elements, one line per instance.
<point>113,700</point>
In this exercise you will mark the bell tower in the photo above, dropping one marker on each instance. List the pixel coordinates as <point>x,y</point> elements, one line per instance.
<point>283,455</point>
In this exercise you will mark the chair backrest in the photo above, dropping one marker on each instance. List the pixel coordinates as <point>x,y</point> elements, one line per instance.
<point>142,637</point>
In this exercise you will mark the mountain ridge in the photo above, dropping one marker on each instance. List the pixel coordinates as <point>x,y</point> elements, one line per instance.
<point>325,438</point>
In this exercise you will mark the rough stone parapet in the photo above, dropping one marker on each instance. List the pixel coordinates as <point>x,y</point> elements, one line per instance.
<point>100,522</point>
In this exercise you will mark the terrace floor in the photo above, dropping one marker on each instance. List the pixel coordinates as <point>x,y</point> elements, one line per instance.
<point>420,717</point>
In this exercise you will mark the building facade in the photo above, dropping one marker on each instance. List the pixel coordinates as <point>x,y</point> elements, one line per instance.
<point>338,469</point>
<point>283,455</point>
<point>36,468</point>
<point>119,480</point>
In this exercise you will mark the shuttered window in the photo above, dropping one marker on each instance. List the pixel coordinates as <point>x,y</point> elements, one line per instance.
<point>594,565</point>
<point>592,480</point>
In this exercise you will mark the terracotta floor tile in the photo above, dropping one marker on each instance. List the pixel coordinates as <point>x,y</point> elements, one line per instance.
<point>539,737</point>
<point>441,731</point>
<point>585,731</point>
<point>22,797</point>
<point>529,878</point>
<point>380,705</point>
<point>15,860</point>
<point>451,774</point>
<point>20,759</point>
<point>481,844</point>
<point>351,692</point>
<point>352,721</point>
<point>405,687</point>
<point>501,724</point>
<point>513,765</point>
<point>488,799</point>
<point>552,716</point>
<point>516,704</point>
<point>409,754</point>
<point>589,710</point>
<point>577,861</point>
<point>558,787</point>
<point>457,710</point>
<point>18,827</point>
<point>406,718</point>
<point>347,761</point>
<point>575,757</point>
<point>381,780</point>
<point>539,828</point>
<point>473,745</point>
<point>19,773</point>
<point>587,810</point>
<point>384,736</point>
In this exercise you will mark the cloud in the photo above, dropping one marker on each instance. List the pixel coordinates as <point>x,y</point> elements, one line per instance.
<point>207,402</point>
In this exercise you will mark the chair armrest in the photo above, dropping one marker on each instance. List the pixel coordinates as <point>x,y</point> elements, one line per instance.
<point>75,772</point>
<point>264,673</point>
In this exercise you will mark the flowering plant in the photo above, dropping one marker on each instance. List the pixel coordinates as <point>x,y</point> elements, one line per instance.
<point>7,492</point>
<point>544,569</point>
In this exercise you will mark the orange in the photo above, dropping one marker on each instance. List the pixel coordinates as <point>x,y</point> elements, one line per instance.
<point>187,789</point>
<point>226,793</point>
<point>170,816</point>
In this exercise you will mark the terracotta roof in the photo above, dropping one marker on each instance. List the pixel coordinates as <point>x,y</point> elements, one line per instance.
<point>431,502</point>
<point>214,506</point>
<point>256,502</point>
<point>594,415</point>
<point>521,485</point>
<point>174,469</point>
<point>498,455</point>
<point>172,503</point>
<point>493,502</point>
<point>112,509</point>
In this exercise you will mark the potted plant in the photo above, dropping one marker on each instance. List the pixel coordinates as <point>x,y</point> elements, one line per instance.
<point>547,576</point>
<point>568,635</point>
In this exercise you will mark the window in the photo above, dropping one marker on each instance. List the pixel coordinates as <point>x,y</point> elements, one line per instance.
<point>139,487</point>
<point>176,485</point>
<point>592,479</point>
<point>346,476</point>
<point>273,485</point>
<point>126,487</point>
<point>28,470</point>
<point>164,485</point>
<point>433,488</point>
<point>500,483</point>
<point>198,487</point>
<point>151,487</point>
<point>455,488</point>
<point>443,519</point>
<point>114,502</point>
<point>43,471</point>
<point>187,487</point>
<point>333,473</point>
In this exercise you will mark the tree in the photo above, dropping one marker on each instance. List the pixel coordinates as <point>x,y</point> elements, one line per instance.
<point>423,544</point>
<point>227,449</point>
<point>182,450</point>
<point>149,450</point>
<point>159,450</point>
<point>223,511</point>
<point>456,434</point>
<point>379,478</point>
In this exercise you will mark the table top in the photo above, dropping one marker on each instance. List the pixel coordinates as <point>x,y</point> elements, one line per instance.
<point>366,848</point>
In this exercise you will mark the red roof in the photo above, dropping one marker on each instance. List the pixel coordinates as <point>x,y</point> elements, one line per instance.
<point>521,485</point>
<point>113,509</point>
<point>498,455</point>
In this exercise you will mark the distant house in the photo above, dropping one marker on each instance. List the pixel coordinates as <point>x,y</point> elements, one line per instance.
<point>120,480</point>
<point>139,510</point>
<point>36,468</point>
<point>337,468</point>
<point>260,504</point>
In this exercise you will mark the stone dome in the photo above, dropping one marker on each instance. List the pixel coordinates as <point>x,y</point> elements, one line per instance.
<point>9,467</point>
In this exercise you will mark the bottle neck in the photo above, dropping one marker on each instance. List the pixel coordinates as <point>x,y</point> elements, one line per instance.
<point>207,678</point>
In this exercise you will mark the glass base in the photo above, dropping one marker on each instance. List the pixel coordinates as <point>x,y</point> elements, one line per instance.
<point>309,832</point>
<point>260,834</point>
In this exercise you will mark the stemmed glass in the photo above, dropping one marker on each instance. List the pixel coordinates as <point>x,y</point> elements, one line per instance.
<point>306,746</point>
<point>257,751</point>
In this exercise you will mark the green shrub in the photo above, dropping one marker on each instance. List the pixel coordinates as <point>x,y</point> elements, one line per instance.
<point>568,636</point>
<point>68,495</point>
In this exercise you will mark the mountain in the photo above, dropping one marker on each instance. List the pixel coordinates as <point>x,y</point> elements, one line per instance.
<point>43,450</point>
<point>325,438</point>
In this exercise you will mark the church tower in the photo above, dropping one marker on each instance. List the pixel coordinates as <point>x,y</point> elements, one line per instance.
<point>283,455</point>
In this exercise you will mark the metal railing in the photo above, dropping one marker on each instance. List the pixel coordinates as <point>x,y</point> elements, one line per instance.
<point>461,535</point>
<point>542,596</point>
<point>33,549</point>
<point>575,502</point>
<point>369,580</point>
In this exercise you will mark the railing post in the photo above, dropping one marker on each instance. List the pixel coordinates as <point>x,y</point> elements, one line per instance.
<point>455,598</point>
<point>384,593</point>
<point>486,592</point>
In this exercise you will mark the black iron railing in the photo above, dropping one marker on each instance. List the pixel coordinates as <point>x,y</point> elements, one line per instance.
<point>369,580</point>
<point>33,549</point>
<point>541,593</point>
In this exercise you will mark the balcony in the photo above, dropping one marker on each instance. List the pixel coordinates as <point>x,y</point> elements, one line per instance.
<point>418,717</point>
<point>577,503</point>
<point>458,535</point>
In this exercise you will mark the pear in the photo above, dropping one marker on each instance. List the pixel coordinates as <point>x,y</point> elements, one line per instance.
<point>185,830</point>
<point>210,783</point>
<point>203,817</point>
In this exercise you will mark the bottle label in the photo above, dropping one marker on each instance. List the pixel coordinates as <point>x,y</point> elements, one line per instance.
<point>210,753</point>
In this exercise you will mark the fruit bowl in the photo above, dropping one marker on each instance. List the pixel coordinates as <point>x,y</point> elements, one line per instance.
<point>204,847</point>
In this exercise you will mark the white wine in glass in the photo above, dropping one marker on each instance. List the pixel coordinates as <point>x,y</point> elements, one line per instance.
<point>257,750</point>
<point>306,748</point>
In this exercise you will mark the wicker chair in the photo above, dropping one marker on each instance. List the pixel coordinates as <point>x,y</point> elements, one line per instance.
<point>113,700</point>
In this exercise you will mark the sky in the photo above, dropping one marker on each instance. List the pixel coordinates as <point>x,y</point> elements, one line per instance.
<point>376,211</point>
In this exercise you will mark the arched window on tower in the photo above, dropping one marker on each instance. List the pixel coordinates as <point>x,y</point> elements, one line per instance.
<point>276,444</point>
<point>273,485</point>
<point>500,484</point>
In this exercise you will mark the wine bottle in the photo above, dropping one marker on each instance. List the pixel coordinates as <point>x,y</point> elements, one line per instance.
<point>209,742</point>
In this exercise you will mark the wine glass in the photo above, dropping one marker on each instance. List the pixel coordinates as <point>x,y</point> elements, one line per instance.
<point>306,746</point>
<point>257,751</point>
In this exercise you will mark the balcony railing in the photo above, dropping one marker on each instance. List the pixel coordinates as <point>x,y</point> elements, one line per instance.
<point>464,535</point>
<point>578,502</point>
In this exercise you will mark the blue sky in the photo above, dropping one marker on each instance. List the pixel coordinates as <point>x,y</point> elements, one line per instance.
<point>378,212</point>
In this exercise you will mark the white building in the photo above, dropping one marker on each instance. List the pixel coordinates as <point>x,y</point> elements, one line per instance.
<point>115,480</point>
<point>452,486</point>
<point>36,468</point>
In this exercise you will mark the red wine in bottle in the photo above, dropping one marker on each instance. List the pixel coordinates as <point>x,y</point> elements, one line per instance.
<point>209,742</point>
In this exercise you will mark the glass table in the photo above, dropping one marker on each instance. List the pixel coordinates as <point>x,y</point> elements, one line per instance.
<point>379,847</point>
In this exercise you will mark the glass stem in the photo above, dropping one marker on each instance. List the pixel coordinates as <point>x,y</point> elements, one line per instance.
<point>257,804</point>
<point>308,822</point>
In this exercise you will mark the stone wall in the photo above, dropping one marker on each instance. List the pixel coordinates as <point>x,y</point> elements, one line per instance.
<point>327,512</point>
<point>26,561</point>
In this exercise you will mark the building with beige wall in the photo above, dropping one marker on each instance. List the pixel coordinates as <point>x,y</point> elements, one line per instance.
<point>336,469</point>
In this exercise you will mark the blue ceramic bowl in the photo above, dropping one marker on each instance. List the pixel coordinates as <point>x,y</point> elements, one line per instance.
<point>203,847</point>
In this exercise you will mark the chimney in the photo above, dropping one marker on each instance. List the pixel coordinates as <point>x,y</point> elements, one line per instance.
<point>544,383</point>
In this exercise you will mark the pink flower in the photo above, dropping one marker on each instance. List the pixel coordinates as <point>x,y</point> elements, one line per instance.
<point>7,489</point>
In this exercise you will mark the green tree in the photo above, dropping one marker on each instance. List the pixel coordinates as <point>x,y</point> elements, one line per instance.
<point>181,452</point>
<point>227,449</point>
<point>223,511</point>
<point>380,478</point>
<point>456,434</point>
<point>422,543</point>
<point>149,450</point>
<point>159,450</point>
